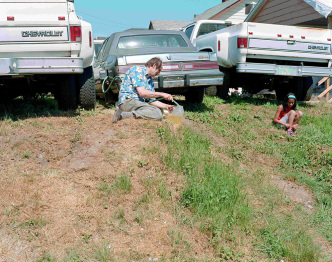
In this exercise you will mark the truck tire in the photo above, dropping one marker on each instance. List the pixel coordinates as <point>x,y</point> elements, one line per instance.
<point>195,95</point>
<point>307,89</point>
<point>301,87</point>
<point>222,91</point>
<point>86,89</point>
<point>67,93</point>
<point>211,90</point>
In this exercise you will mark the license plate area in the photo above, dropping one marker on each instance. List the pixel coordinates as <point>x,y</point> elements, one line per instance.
<point>287,70</point>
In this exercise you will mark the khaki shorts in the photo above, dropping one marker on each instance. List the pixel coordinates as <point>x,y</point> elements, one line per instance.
<point>141,109</point>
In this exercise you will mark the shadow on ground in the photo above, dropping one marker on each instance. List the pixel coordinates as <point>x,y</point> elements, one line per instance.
<point>42,106</point>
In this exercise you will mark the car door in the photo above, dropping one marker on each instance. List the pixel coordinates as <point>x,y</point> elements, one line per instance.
<point>98,66</point>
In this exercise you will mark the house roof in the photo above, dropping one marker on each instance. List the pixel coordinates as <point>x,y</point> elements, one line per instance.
<point>167,25</point>
<point>324,7</point>
<point>215,10</point>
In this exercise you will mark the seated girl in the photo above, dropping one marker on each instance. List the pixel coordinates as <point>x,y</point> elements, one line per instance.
<point>287,115</point>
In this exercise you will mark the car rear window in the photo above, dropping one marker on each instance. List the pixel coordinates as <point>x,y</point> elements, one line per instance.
<point>146,41</point>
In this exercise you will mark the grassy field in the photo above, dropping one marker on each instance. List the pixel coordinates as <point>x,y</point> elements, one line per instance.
<point>227,185</point>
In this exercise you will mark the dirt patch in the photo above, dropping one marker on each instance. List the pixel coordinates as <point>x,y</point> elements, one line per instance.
<point>297,193</point>
<point>59,191</point>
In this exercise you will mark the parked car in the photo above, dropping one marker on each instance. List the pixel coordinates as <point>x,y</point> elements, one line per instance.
<point>185,70</point>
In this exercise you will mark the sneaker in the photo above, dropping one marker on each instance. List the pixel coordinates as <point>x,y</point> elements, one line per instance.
<point>290,132</point>
<point>117,116</point>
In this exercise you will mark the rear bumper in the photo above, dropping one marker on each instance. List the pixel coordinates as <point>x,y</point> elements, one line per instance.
<point>26,66</point>
<point>188,80</point>
<point>283,70</point>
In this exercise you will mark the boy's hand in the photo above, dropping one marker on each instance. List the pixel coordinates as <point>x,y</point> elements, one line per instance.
<point>169,108</point>
<point>168,97</point>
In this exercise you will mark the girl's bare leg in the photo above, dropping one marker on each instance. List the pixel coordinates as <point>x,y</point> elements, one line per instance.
<point>297,119</point>
<point>291,117</point>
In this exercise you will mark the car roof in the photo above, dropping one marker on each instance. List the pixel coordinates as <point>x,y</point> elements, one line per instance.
<point>147,32</point>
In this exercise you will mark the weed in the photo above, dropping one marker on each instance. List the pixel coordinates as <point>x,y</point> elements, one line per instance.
<point>122,185</point>
<point>103,253</point>
<point>26,155</point>
<point>77,136</point>
<point>34,223</point>
<point>135,255</point>
<point>46,258</point>
<point>86,238</point>
<point>163,192</point>
<point>73,256</point>
<point>142,163</point>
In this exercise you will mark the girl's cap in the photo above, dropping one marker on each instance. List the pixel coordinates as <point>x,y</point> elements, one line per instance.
<point>291,96</point>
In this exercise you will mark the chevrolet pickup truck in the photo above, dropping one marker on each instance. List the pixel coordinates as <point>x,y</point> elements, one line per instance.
<point>257,56</point>
<point>46,48</point>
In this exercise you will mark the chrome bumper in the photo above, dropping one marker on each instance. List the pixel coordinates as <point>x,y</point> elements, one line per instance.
<point>56,65</point>
<point>283,70</point>
<point>188,80</point>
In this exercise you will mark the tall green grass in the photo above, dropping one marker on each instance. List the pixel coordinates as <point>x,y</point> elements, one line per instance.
<point>306,158</point>
<point>212,190</point>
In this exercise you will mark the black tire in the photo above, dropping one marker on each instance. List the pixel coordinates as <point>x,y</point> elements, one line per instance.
<point>302,87</point>
<point>211,90</point>
<point>86,89</point>
<point>195,95</point>
<point>67,93</point>
<point>222,91</point>
<point>307,89</point>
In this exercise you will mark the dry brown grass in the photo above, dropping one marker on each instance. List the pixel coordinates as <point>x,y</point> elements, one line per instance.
<point>53,202</point>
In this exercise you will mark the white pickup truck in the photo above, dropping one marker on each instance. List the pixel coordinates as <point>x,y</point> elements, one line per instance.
<point>258,56</point>
<point>46,48</point>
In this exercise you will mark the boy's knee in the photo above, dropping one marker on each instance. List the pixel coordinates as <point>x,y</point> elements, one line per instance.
<point>159,116</point>
<point>292,112</point>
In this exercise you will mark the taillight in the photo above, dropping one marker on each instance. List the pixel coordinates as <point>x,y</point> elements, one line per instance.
<point>242,42</point>
<point>61,18</point>
<point>218,45</point>
<point>10,18</point>
<point>90,38</point>
<point>75,34</point>
<point>193,66</point>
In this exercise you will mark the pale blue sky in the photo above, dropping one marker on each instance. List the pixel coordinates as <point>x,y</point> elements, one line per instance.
<point>112,16</point>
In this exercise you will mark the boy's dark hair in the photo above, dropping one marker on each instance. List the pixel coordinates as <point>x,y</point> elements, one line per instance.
<point>285,103</point>
<point>154,61</point>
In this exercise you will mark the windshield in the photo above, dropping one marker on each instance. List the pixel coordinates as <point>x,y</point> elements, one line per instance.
<point>97,48</point>
<point>145,41</point>
<point>209,28</point>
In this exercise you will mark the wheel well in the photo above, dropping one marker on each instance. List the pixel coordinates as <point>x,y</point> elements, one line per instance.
<point>206,50</point>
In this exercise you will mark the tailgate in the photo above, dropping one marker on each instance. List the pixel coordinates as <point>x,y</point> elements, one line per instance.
<point>290,41</point>
<point>34,28</point>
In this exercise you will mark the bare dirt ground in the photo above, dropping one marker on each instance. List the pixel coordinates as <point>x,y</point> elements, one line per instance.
<point>56,192</point>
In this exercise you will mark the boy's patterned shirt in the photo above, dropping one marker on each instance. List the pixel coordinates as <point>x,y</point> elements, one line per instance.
<point>135,77</point>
